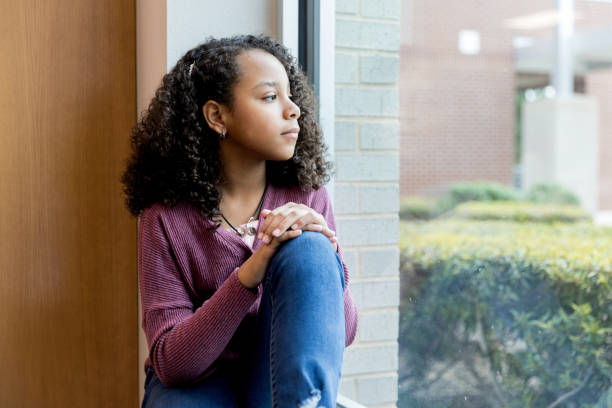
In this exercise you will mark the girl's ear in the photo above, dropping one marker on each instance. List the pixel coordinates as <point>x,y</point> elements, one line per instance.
<point>215,116</point>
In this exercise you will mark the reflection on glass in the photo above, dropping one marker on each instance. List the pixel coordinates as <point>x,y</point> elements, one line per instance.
<point>506,183</point>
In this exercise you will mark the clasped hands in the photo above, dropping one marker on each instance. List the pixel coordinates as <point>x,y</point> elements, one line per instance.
<point>289,220</point>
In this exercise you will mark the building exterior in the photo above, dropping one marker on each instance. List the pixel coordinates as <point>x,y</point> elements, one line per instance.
<point>458,107</point>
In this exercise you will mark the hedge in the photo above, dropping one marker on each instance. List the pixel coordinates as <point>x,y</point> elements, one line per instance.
<point>419,207</point>
<point>501,314</point>
<point>520,212</point>
<point>551,193</point>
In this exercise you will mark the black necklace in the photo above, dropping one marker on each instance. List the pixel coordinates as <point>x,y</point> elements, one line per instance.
<point>250,229</point>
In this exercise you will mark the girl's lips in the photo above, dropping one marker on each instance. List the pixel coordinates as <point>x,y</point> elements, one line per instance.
<point>293,129</point>
<point>292,135</point>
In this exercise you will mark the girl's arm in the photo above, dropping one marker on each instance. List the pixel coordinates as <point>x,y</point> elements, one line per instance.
<point>184,341</point>
<point>253,270</point>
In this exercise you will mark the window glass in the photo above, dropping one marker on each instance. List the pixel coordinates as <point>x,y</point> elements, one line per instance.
<point>506,204</point>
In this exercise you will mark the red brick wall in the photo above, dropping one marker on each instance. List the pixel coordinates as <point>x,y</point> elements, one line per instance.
<point>457,113</point>
<point>456,122</point>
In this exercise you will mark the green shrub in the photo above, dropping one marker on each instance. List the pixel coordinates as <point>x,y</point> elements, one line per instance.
<point>482,191</point>
<point>502,314</point>
<point>424,208</point>
<point>418,208</point>
<point>551,193</point>
<point>520,211</point>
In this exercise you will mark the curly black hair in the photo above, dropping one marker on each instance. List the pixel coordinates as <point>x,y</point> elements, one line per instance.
<point>175,154</point>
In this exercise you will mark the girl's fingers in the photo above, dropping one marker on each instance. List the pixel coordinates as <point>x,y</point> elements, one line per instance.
<point>289,217</point>
<point>276,241</point>
<point>265,231</point>
<point>268,227</point>
<point>288,235</point>
<point>267,218</point>
<point>273,227</point>
<point>319,228</point>
<point>323,230</point>
<point>316,228</point>
<point>295,223</point>
<point>276,224</point>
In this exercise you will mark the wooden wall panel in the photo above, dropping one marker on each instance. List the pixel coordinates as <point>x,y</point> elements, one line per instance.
<point>68,277</point>
<point>150,68</point>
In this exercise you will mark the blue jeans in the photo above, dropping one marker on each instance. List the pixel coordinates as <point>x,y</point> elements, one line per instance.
<point>300,338</point>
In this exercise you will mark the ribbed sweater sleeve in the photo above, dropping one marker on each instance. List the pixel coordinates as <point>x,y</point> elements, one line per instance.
<point>183,342</point>
<point>322,204</point>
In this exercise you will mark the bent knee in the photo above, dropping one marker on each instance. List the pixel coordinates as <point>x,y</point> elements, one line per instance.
<point>306,251</point>
<point>309,243</point>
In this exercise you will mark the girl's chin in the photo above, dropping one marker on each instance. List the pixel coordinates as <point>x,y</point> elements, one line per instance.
<point>283,157</point>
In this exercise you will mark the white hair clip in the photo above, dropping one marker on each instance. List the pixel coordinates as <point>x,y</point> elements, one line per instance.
<point>191,68</point>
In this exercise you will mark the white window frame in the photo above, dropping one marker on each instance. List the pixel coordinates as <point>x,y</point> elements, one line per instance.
<point>322,50</point>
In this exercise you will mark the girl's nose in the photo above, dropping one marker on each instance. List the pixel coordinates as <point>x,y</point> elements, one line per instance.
<point>293,111</point>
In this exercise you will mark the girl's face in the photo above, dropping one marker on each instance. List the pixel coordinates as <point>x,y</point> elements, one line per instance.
<point>263,111</point>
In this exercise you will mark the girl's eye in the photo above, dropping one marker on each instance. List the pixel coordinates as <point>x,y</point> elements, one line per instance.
<point>274,97</point>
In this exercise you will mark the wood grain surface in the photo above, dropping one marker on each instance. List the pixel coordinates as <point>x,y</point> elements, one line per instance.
<point>68,256</point>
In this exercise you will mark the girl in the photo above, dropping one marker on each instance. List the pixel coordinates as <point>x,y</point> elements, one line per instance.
<point>244,292</point>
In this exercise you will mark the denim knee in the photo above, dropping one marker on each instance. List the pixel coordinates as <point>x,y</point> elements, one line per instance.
<point>308,250</point>
<point>306,245</point>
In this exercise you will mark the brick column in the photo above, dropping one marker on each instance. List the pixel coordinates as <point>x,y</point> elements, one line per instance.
<point>367,190</point>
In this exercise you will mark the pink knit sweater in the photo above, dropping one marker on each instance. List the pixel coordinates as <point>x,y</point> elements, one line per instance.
<point>196,313</point>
